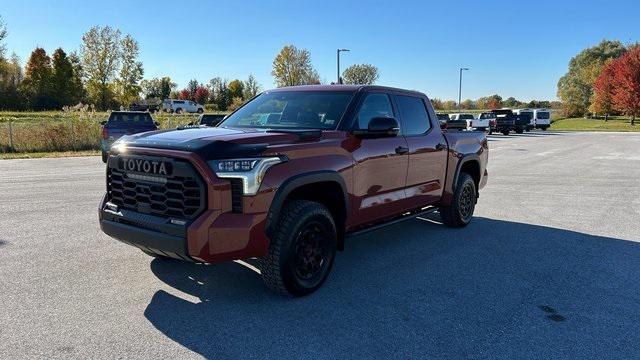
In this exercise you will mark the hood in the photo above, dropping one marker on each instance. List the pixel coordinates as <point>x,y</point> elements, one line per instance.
<point>210,142</point>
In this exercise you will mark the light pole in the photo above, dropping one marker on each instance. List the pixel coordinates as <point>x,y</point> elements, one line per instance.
<point>460,88</point>
<point>338,62</point>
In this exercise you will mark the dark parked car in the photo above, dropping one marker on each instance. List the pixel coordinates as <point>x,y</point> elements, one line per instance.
<point>507,121</point>
<point>124,123</point>
<point>210,119</point>
<point>145,105</point>
<point>288,176</point>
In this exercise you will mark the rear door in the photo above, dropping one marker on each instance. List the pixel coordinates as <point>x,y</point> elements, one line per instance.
<point>427,151</point>
<point>381,165</point>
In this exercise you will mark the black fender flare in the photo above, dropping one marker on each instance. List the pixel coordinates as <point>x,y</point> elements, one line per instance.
<point>465,159</point>
<point>294,182</point>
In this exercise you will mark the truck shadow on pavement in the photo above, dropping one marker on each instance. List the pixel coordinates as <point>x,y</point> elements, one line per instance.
<point>495,289</point>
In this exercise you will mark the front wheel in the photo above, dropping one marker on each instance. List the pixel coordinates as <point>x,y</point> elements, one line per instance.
<point>519,131</point>
<point>505,132</point>
<point>200,111</point>
<point>301,251</point>
<point>460,212</point>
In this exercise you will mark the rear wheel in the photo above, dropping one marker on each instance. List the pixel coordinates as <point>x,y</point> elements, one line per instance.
<point>301,251</point>
<point>200,111</point>
<point>460,212</point>
<point>505,132</point>
<point>178,111</point>
<point>519,131</point>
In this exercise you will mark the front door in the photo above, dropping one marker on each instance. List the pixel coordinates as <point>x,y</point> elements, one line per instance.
<point>381,166</point>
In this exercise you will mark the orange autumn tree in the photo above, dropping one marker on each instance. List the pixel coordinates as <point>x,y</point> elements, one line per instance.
<point>626,79</point>
<point>603,91</point>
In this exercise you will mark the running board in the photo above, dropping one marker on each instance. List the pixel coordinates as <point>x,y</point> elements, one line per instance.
<point>406,216</point>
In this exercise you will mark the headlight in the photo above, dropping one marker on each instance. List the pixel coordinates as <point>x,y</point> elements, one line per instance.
<point>251,171</point>
<point>120,145</point>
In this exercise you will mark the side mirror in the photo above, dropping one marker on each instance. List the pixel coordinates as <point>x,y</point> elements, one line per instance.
<point>443,124</point>
<point>156,123</point>
<point>380,127</point>
<point>103,123</point>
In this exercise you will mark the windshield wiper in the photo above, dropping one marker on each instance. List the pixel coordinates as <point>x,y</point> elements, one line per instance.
<point>303,134</point>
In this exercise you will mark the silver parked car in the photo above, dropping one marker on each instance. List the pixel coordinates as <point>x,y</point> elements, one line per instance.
<point>179,106</point>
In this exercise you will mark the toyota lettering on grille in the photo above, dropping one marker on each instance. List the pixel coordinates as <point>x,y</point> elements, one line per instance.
<point>152,167</point>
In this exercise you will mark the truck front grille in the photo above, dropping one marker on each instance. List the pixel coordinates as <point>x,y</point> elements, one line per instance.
<point>236,196</point>
<point>181,195</point>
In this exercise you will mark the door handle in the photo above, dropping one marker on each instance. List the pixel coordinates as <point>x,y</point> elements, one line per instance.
<point>441,146</point>
<point>402,150</point>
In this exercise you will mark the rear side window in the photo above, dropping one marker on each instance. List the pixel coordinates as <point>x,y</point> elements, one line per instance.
<point>130,120</point>
<point>414,115</point>
<point>374,105</point>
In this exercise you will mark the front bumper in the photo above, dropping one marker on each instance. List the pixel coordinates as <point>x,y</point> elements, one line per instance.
<point>216,235</point>
<point>147,232</point>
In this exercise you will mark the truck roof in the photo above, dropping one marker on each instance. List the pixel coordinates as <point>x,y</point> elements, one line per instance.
<point>341,87</point>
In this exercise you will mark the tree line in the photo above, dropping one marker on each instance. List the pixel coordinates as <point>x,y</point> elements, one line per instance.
<point>107,74</point>
<point>492,102</point>
<point>603,80</point>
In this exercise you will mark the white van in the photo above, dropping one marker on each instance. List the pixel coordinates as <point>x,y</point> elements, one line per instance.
<point>179,106</point>
<point>526,113</point>
<point>542,118</point>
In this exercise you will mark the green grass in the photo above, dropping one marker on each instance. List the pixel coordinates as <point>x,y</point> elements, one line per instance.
<point>58,131</point>
<point>615,123</point>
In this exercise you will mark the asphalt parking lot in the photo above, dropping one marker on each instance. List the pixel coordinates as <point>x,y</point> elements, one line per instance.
<point>549,268</point>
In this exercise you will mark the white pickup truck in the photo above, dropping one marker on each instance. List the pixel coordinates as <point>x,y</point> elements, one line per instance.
<point>468,121</point>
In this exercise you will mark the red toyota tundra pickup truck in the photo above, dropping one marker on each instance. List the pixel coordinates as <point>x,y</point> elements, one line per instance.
<point>288,176</point>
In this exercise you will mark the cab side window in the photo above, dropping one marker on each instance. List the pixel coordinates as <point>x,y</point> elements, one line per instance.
<point>374,105</point>
<point>414,115</point>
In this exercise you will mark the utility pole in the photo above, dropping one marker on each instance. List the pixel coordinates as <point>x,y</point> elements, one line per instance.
<point>460,89</point>
<point>338,63</point>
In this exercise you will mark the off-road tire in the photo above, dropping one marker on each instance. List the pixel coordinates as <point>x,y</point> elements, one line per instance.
<point>105,156</point>
<point>278,269</point>
<point>460,212</point>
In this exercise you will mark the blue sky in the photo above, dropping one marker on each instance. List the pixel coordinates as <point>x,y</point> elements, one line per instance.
<point>513,48</point>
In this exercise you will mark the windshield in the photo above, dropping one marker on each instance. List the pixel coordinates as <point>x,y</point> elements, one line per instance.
<point>211,120</point>
<point>542,115</point>
<point>130,119</point>
<point>487,116</point>
<point>526,115</point>
<point>292,109</point>
<point>465,117</point>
